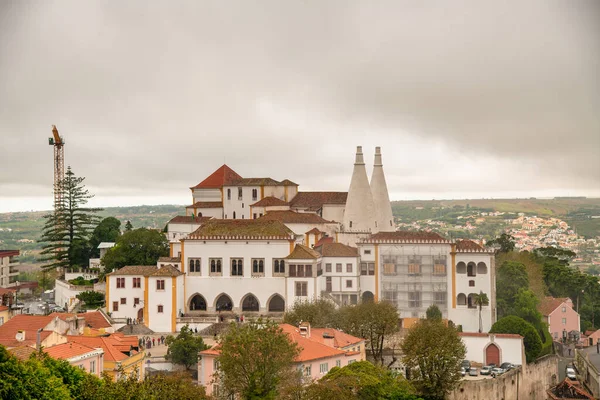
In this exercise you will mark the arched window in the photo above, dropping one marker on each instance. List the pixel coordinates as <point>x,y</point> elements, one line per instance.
<point>228,194</point>
<point>224,303</point>
<point>471,300</point>
<point>191,266</point>
<point>276,304</point>
<point>237,267</point>
<point>481,268</point>
<point>461,299</point>
<point>198,303</point>
<point>197,265</point>
<point>471,269</point>
<point>461,268</point>
<point>250,303</point>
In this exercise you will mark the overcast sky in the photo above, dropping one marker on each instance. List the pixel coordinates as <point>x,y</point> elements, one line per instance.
<point>467,99</point>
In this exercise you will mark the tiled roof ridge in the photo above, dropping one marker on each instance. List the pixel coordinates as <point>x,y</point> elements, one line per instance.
<point>291,217</point>
<point>406,237</point>
<point>145,270</point>
<point>167,270</point>
<point>223,175</point>
<point>302,252</point>
<point>269,201</point>
<point>206,204</point>
<point>240,229</point>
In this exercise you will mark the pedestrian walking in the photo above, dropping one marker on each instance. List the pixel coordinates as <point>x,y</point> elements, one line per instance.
<point>153,341</point>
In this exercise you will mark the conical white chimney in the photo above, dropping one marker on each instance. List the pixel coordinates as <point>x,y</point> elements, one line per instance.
<point>381,198</point>
<point>359,215</point>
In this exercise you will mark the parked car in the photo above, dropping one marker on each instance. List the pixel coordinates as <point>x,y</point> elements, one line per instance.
<point>571,374</point>
<point>497,371</point>
<point>473,371</point>
<point>466,364</point>
<point>462,371</point>
<point>486,370</point>
<point>507,366</point>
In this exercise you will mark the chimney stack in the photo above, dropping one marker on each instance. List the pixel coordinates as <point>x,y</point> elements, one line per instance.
<point>359,214</point>
<point>381,198</point>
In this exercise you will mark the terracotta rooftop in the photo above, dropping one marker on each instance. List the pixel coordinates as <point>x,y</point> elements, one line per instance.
<point>144,270</point>
<point>222,176</point>
<point>269,201</point>
<point>302,252</point>
<point>549,304</point>
<point>28,323</point>
<point>500,335</point>
<point>468,245</point>
<point>9,253</point>
<point>169,259</point>
<point>167,270</point>
<point>4,291</point>
<point>113,346</point>
<point>406,237</point>
<point>323,240</point>
<point>206,204</point>
<point>337,250</point>
<point>315,200</point>
<point>287,182</point>
<point>255,182</point>
<point>3,308</point>
<point>310,349</point>
<point>22,352</point>
<point>292,217</point>
<point>68,350</point>
<point>242,229</point>
<point>93,319</point>
<point>314,231</point>
<point>340,339</point>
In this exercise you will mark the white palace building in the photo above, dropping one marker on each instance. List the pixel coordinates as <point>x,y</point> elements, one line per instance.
<point>255,246</point>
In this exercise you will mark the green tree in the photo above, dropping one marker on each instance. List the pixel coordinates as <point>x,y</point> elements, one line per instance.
<point>433,353</point>
<point>516,325</point>
<point>374,321</point>
<point>256,359</point>
<point>480,300</point>
<point>319,313</point>
<point>433,312</point>
<point>66,231</point>
<point>128,226</point>
<point>91,298</point>
<point>184,348</point>
<point>108,230</point>
<point>510,278</point>
<point>138,247</point>
<point>361,381</point>
<point>505,243</point>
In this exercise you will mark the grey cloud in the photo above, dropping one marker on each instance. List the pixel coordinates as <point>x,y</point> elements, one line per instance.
<point>152,97</point>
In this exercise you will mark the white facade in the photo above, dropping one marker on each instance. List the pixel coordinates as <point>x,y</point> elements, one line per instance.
<point>384,220</point>
<point>359,214</point>
<point>510,347</point>
<point>125,298</point>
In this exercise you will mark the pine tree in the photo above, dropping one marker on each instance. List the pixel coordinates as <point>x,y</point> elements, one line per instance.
<point>128,226</point>
<point>69,226</point>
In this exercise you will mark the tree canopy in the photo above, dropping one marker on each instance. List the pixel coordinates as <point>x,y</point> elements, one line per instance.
<point>138,247</point>
<point>505,243</point>
<point>108,230</point>
<point>184,348</point>
<point>510,278</point>
<point>433,353</point>
<point>67,229</point>
<point>361,381</point>
<point>256,360</point>
<point>514,324</point>
<point>433,312</point>
<point>318,312</point>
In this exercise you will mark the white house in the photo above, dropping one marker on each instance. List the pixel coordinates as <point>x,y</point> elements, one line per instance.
<point>496,348</point>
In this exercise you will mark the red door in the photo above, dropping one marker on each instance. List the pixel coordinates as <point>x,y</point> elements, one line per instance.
<point>492,355</point>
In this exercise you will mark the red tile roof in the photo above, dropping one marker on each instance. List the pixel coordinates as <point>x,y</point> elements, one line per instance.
<point>144,270</point>
<point>68,350</point>
<point>287,182</point>
<point>336,250</point>
<point>324,239</point>
<point>4,291</point>
<point>292,217</point>
<point>302,252</point>
<point>93,319</point>
<point>310,349</point>
<point>467,245</point>
<point>269,202</point>
<point>3,308</point>
<point>242,229</point>
<point>112,345</point>
<point>206,204</point>
<point>340,339</point>
<point>9,253</point>
<point>28,323</point>
<point>315,200</point>
<point>169,259</point>
<point>314,231</point>
<point>22,352</point>
<point>549,304</point>
<point>406,237</point>
<point>254,182</point>
<point>167,270</point>
<point>222,176</point>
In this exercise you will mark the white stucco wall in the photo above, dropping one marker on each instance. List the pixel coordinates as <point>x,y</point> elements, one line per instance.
<point>129,293</point>
<point>338,279</point>
<point>206,195</point>
<point>511,349</point>
<point>333,212</point>
<point>160,322</point>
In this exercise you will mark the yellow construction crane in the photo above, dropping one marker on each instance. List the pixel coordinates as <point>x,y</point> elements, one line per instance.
<point>59,164</point>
